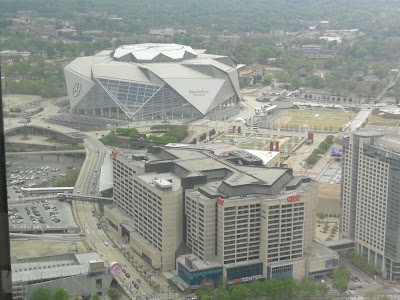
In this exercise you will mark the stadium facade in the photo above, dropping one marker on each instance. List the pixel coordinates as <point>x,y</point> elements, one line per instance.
<point>153,81</point>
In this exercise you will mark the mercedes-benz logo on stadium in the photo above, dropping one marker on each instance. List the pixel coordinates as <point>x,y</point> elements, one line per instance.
<point>76,89</point>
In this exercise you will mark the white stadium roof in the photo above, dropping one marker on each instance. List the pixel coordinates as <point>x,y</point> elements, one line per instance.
<point>148,52</point>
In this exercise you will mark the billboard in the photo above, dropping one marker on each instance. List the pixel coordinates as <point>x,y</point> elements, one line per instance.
<point>248,279</point>
<point>336,152</point>
<point>115,268</point>
<point>293,198</point>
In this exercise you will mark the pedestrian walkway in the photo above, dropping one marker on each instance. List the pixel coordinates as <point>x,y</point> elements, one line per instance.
<point>95,231</point>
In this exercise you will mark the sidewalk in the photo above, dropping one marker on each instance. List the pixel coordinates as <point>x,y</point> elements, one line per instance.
<point>156,277</point>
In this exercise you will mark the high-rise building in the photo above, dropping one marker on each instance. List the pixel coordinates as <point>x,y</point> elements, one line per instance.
<point>370,203</point>
<point>217,216</point>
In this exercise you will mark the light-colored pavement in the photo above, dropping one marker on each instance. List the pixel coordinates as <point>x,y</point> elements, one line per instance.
<point>359,119</point>
<point>99,240</point>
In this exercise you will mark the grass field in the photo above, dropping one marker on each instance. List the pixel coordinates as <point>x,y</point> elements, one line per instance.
<point>315,119</point>
<point>381,121</point>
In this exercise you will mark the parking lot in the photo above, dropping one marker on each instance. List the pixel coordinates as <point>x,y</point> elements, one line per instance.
<point>36,171</point>
<point>30,176</point>
<point>40,214</point>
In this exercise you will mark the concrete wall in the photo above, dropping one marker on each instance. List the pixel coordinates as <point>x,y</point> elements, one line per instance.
<point>75,286</point>
<point>299,268</point>
<point>138,244</point>
<point>172,226</point>
<point>319,264</point>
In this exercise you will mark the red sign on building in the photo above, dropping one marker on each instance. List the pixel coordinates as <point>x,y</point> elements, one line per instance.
<point>220,201</point>
<point>294,198</point>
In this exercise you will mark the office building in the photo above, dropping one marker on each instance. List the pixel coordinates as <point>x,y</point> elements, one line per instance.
<point>153,81</point>
<point>232,218</point>
<point>370,205</point>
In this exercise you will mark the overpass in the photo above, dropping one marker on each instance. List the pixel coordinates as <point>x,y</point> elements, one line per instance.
<point>11,154</point>
<point>85,198</point>
<point>64,197</point>
<point>58,135</point>
<point>74,154</point>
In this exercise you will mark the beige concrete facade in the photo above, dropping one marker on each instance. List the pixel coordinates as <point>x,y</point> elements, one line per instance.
<point>154,202</point>
<point>250,230</point>
<point>201,223</point>
<point>114,215</point>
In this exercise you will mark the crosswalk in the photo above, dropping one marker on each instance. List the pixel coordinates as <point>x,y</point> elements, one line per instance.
<point>95,231</point>
<point>363,283</point>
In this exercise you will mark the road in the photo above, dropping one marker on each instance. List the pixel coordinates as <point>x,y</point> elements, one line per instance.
<point>87,184</point>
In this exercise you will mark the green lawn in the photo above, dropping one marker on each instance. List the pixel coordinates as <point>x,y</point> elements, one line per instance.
<point>314,119</point>
<point>381,121</point>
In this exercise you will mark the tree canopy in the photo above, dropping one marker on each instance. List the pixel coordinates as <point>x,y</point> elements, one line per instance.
<point>41,294</point>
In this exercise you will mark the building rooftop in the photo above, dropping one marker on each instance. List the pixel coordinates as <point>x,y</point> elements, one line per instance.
<point>196,264</point>
<point>50,267</point>
<point>233,171</point>
<point>321,251</point>
<point>153,52</point>
<point>164,180</point>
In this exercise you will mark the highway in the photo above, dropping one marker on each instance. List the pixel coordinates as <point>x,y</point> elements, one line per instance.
<point>87,184</point>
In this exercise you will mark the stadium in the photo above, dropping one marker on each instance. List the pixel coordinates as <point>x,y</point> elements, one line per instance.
<point>153,81</point>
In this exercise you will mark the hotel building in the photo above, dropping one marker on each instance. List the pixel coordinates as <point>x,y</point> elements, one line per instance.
<point>370,203</point>
<point>217,216</point>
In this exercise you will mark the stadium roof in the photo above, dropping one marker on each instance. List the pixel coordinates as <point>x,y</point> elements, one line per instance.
<point>152,79</point>
<point>152,52</point>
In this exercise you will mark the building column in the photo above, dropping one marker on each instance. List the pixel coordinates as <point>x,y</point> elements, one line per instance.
<point>391,270</point>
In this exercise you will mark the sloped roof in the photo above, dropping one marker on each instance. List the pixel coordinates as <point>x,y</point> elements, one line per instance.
<point>149,52</point>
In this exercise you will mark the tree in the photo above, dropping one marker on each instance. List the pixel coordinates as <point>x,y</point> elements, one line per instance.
<point>95,297</point>
<point>315,82</point>
<point>274,289</point>
<point>41,294</point>
<point>340,281</point>
<point>222,294</point>
<point>114,294</point>
<point>321,216</point>
<point>289,289</point>
<point>322,290</point>
<point>267,80</point>
<point>238,292</point>
<point>307,289</point>
<point>257,289</point>
<point>60,294</point>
